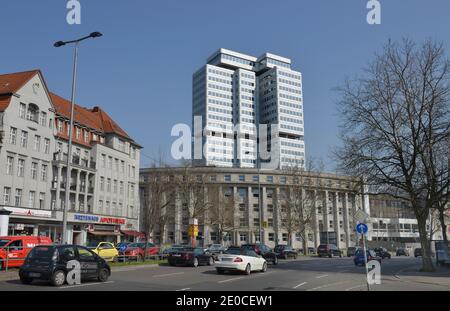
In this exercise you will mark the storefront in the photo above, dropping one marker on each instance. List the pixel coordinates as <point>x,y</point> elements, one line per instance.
<point>23,221</point>
<point>87,229</point>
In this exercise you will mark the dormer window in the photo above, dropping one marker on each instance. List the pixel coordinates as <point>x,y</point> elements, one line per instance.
<point>33,113</point>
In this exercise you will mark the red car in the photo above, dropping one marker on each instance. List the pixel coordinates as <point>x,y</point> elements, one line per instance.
<point>14,249</point>
<point>135,251</point>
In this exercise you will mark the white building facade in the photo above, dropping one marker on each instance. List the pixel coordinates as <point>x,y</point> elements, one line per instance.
<point>104,199</point>
<point>234,93</point>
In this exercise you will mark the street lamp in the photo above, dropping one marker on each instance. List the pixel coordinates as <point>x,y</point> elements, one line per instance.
<point>69,151</point>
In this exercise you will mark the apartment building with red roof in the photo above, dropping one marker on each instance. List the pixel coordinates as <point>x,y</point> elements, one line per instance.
<point>34,127</point>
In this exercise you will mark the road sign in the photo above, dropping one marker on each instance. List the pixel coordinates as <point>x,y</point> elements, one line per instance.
<point>360,216</point>
<point>362,228</point>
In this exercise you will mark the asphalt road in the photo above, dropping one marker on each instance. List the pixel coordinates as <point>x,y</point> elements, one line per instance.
<point>305,274</point>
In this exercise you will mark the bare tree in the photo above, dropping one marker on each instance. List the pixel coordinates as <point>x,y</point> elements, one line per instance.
<point>221,212</point>
<point>297,201</point>
<point>395,122</point>
<point>158,200</point>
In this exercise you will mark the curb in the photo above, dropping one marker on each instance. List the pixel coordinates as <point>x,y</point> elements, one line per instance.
<point>412,279</point>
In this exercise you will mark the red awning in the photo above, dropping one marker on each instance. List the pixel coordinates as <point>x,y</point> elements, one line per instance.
<point>133,233</point>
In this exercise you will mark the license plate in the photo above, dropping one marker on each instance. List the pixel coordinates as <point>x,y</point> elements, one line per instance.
<point>34,275</point>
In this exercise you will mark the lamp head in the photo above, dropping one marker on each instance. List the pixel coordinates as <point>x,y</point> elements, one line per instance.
<point>96,34</point>
<point>58,44</point>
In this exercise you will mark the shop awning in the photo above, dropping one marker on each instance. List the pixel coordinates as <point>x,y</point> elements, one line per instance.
<point>104,233</point>
<point>133,233</point>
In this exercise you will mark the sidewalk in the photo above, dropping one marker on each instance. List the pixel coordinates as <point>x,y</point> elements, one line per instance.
<point>9,275</point>
<point>439,277</point>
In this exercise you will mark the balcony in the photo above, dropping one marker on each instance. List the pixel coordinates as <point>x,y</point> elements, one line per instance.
<point>76,161</point>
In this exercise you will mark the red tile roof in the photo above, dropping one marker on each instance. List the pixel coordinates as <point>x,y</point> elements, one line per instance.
<point>10,83</point>
<point>95,118</point>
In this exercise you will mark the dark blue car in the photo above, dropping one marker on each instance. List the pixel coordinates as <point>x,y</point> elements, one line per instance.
<point>359,257</point>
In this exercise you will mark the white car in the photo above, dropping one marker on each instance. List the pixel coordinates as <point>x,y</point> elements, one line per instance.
<point>238,259</point>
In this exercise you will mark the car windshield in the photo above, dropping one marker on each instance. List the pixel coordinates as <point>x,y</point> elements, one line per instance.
<point>92,244</point>
<point>3,242</point>
<point>41,252</point>
<point>233,251</point>
<point>141,245</point>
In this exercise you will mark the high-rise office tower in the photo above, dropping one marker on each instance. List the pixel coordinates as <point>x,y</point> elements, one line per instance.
<point>233,94</point>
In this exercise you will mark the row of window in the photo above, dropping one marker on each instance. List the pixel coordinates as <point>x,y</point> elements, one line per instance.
<point>292,113</point>
<point>292,128</point>
<point>287,96</point>
<point>219,87</point>
<point>247,75</point>
<point>244,82</point>
<point>220,110</point>
<point>220,102</point>
<point>238,60</point>
<point>290,144</point>
<point>108,163</point>
<point>291,152</point>
<point>24,140</point>
<point>220,118</point>
<point>278,63</point>
<point>115,187</point>
<point>220,80</point>
<point>291,105</point>
<point>220,72</point>
<point>289,82</point>
<point>289,75</point>
<point>290,90</point>
<point>18,195</point>
<point>32,113</point>
<point>20,168</point>
<point>292,120</point>
<point>220,95</point>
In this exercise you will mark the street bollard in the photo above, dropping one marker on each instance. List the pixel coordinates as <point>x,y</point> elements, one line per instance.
<point>7,257</point>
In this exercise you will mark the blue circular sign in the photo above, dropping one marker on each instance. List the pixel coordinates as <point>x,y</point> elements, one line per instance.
<point>362,228</point>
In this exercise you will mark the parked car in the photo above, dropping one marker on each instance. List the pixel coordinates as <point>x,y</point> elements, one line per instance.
<point>171,249</point>
<point>106,250</point>
<point>240,259</point>
<point>285,252</point>
<point>311,250</point>
<point>328,250</point>
<point>382,252</point>
<point>442,253</point>
<point>216,250</point>
<point>16,248</point>
<point>402,252</point>
<point>351,251</point>
<point>359,259</point>
<point>418,252</point>
<point>122,246</point>
<point>264,251</point>
<point>49,262</point>
<point>136,251</point>
<point>189,256</point>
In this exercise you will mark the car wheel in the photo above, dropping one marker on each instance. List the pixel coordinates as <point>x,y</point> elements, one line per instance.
<point>264,268</point>
<point>116,259</point>
<point>285,256</point>
<point>25,280</point>
<point>330,255</point>
<point>248,269</point>
<point>140,258</point>
<point>195,262</point>
<point>220,271</point>
<point>275,260</point>
<point>103,275</point>
<point>1,266</point>
<point>58,278</point>
<point>211,261</point>
<point>172,264</point>
<point>295,256</point>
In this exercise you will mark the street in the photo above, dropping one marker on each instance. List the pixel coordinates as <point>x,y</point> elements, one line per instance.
<point>304,274</point>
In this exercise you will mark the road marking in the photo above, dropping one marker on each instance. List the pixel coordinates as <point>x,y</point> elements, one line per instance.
<point>324,286</point>
<point>349,289</point>
<point>87,284</point>
<point>342,271</point>
<point>301,284</point>
<point>183,289</point>
<point>321,276</point>
<point>168,274</point>
<point>230,280</point>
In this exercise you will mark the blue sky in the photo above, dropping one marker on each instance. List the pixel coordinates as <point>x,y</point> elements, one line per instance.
<point>140,71</point>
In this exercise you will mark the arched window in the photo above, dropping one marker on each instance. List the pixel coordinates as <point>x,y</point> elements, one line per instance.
<point>33,113</point>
